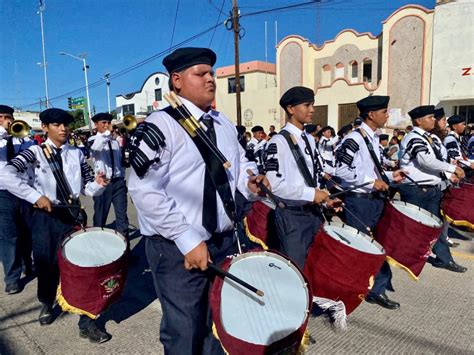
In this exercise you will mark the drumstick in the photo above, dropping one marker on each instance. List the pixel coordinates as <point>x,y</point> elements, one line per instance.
<point>413,181</point>
<point>67,206</point>
<point>357,219</point>
<point>271,196</point>
<point>224,273</point>
<point>334,195</point>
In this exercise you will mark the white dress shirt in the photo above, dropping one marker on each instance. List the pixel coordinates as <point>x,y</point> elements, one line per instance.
<point>282,171</point>
<point>452,142</point>
<point>100,152</point>
<point>76,170</point>
<point>19,144</point>
<point>326,148</point>
<point>169,197</point>
<point>418,158</point>
<point>354,164</point>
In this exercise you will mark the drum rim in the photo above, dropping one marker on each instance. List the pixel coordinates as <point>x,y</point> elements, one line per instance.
<point>362,234</point>
<point>422,210</point>
<point>91,229</point>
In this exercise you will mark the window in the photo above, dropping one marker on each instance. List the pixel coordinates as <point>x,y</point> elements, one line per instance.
<point>320,115</point>
<point>339,70</point>
<point>128,109</point>
<point>326,75</point>
<point>158,96</point>
<point>354,71</point>
<point>347,114</point>
<point>466,111</point>
<point>367,71</point>
<point>231,85</point>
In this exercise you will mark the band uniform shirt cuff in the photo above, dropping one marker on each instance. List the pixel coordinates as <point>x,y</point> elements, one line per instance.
<point>452,169</point>
<point>33,196</point>
<point>95,189</point>
<point>190,239</point>
<point>308,194</point>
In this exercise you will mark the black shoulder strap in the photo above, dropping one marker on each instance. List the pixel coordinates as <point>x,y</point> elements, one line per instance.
<point>370,147</point>
<point>300,162</point>
<point>433,146</point>
<point>217,171</point>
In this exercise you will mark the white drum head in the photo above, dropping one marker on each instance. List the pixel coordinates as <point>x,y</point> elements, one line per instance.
<point>353,238</point>
<point>418,214</point>
<point>281,311</point>
<point>94,247</point>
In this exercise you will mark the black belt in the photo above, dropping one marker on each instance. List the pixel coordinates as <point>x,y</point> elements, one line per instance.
<point>304,208</point>
<point>375,195</point>
<point>161,238</point>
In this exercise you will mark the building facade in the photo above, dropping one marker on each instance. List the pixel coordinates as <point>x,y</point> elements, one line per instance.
<point>259,94</point>
<point>146,100</point>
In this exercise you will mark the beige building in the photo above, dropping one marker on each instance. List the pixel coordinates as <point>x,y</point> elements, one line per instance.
<point>354,65</point>
<point>259,95</point>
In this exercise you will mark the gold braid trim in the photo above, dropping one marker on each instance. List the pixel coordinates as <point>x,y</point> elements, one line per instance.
<point>68,308</point>
<point>253,238</point>
<point>393,262</point>
<point>461,223</point>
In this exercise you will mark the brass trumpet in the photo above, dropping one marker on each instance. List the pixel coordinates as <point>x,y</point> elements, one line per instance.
<point>19,129</point>
<point>130,122</point>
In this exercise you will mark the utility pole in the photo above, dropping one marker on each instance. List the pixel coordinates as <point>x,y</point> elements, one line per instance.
<point>236,27</point>
<point>44,64</point>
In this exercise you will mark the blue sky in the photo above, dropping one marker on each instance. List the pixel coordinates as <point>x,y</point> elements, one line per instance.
<point>116,34</point>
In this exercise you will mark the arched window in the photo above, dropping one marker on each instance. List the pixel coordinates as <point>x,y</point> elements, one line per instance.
<point>339,70</point>
<point>354,71</point>
<point>326,75</point>
<point>367,70</point>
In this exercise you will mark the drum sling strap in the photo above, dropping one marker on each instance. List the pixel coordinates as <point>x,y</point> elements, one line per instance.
<point>376,161</point>
<point>436,151</point>
<point>218,177</point>
<point>299,158</point>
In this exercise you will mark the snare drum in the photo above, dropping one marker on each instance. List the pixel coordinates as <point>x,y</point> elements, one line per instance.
<point>248,324</point>
<point>92,264</point>
<point>342,264</point>
<point>455,201</point>
<point>407,233</point>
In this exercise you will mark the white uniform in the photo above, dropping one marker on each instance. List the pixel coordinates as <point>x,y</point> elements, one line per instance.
<point>354,164</point>
<point>44,182</point>
<point>420,160</point>
<point>326,148</point>
<point>100,152</point>
<point>169,195</point>
<point>452,142</point>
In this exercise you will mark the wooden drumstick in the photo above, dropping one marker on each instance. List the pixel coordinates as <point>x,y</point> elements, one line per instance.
<point>266,190</point>
<point>224,273</point>
<point>367,228</point>
<point>334,195</point>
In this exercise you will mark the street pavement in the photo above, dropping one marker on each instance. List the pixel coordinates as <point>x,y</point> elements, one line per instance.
<point>436,316</point>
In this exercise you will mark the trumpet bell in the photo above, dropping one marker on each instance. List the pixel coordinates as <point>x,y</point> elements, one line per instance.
<point>130,122</point>
<point>19,129</point>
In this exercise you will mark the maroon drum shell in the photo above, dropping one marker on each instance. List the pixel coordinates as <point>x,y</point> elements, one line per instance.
<point>257,223</point>
<point>288,345</point>
<point>455,205</point>
<point>92,289</point>
<point>339,272</point>
<point>405,240</point>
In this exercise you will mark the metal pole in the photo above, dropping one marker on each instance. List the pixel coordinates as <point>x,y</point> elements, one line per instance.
<point>107,81</point>
<point>41,9</point>
<point>87,95</point>
<point>236,26</point>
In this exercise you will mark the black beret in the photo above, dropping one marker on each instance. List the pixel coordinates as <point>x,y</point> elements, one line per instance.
<point>358,121</point>
<point>372,103</point>
<point>183,58</point>
<point>257,129</point>
<point>455,119</point>
<point>326,128</point>
<point>241,129</point>
<point>421,111</point>
<point>102,116</point>
<point>55,115</point>
<point>296,95</point>
<point>439,113</point>
<point>344,130</point>
<point>6,109</point>
<point>310,128</point>
<point>383,137</point>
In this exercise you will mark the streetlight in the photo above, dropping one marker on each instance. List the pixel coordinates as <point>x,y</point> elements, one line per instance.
<point>82,58</point>
<point>43,64</point>
<point>107,80</point>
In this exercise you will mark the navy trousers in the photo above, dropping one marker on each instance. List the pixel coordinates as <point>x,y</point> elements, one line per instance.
<point>296,231</point>
<point>15,236</point>
<point>184,295</point>
<point>115,193</point>
<point>369,211</point>
<point>430,201</point>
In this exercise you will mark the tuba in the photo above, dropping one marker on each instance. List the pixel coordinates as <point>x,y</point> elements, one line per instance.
<point>19,129</point>
<point>130,122</point>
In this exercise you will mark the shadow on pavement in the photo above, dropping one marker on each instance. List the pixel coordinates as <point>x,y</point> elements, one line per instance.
<point>19,313</point>
<point>138,292</point>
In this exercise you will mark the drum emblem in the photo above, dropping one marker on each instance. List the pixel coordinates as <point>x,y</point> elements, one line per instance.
<point>110,285</point>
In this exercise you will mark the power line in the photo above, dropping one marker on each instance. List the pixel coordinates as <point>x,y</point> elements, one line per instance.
<point>217,22</point>
<point>174,24</point>
<point>215,7</point>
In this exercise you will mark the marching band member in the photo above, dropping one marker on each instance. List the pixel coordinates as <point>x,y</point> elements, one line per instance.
<point>452,141</point>
<point>185,222</point>
<point>358,160</point>
<point>296,182</point>
<point>327,142</point>
<point>107,156</point>
<point>15,237</point>
<point>50,224</point>
<point>422,157</point>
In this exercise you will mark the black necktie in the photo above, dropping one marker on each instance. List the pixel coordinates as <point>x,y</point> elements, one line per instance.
<point>10,149</point>
<point>309,151</point>
<point>209,213</point>
<point>59,193</point>
<point>111,158</point>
